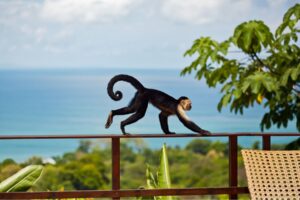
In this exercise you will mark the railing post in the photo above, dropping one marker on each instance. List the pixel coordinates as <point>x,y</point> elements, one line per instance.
<point>115,164</point>
<point>233,164</point>
<point>266,142</point>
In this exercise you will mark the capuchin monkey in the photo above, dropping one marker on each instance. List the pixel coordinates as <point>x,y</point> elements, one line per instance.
<point>138,105</point>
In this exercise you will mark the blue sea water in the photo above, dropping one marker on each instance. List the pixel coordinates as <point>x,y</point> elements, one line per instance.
<point>76,102</point>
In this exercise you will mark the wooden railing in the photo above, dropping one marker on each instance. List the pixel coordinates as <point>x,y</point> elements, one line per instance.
<point>116,192</point>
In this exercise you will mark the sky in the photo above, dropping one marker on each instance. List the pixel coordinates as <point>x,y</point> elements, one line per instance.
<point>43,34</point>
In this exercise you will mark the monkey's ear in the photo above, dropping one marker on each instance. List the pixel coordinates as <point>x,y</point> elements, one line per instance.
<point>181,103</point>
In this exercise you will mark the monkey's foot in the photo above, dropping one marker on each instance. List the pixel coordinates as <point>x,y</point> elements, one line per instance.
<point>205,132</point>
<point>170,133</point>
<point>123,129</point>
<point>109,120</point>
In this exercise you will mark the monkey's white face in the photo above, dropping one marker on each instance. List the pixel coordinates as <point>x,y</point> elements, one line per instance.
<point>186,104</point>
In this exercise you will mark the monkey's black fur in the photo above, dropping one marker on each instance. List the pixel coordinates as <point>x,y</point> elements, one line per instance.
<point>138,105</point>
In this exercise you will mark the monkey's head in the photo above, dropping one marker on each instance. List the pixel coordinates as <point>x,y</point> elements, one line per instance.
<point>185,103</point>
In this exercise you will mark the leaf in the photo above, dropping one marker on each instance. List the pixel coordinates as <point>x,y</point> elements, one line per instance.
<point>293,11</point>
<point>226,87</point>
<point>22,180</point>
<point>237,93</point>
<point>294,74</point>
<point>285,77</point>
<point>251,36</point>
<point>255,86</point>
<point>280,29</point>
<point>269,85</point>
<point>290,19</point>
<point>226,99</point>
<point>245,85</point>
<point>151,182</point>
<point>163,174</point>
<point>224,47</point>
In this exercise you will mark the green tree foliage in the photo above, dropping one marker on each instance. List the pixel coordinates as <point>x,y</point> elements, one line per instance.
<point>294,145</point>
<point>269,73</point>
<point>77,171</point>
<point>204,146</point>
<point>84,146</point>
<point>256,145</point>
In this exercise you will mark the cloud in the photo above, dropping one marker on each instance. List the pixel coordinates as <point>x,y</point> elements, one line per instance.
<point>203,11</point>
<point>68,11</point>
<point>276,3</point>
<point>38,33</point>
<point>17,11</point>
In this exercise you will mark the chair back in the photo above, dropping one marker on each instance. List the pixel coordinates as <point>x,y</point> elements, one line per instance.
<point>273,174</point>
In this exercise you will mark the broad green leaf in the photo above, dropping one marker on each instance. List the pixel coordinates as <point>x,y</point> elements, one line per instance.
<point>290,19</point>
<point>224,47</point>
<point>250,36</point>
<point>269,85</point>
<point>285,77</point>
<point>22,180</point>
<point>280,29</point>
<point>226,99</point>
<point>237,93</point>
<point>255,86</point>
<point>245,85</point>
<point>226,87</point>
<point>163,174</point>
<point>293,11</point>
<point>294,74</point>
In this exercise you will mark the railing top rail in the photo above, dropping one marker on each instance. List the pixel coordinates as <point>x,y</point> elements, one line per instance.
<point>107,136</point>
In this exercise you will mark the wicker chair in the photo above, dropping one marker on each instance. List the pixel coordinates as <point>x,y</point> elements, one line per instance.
<point>273,175</point>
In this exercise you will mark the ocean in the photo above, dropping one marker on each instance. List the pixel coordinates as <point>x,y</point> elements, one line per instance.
<point>75,101</point>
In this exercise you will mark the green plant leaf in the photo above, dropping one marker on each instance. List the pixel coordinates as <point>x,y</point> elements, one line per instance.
<point>151,182</point>
<point>251,36</point>
<point>22,180</point>
<point>294,74</point>
<point>163,173</point>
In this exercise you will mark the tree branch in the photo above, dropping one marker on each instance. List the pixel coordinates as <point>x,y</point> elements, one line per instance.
<point>255,57</point>
<point>260,61</point>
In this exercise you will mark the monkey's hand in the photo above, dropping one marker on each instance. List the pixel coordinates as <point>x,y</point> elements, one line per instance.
<point>204,132</point>
<point>109,120</point>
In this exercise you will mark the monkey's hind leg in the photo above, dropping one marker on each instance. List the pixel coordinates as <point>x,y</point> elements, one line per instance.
<point>121,111</point>
<point>140,113</point>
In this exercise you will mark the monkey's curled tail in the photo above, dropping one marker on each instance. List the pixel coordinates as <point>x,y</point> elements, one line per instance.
<point>122,77</point>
